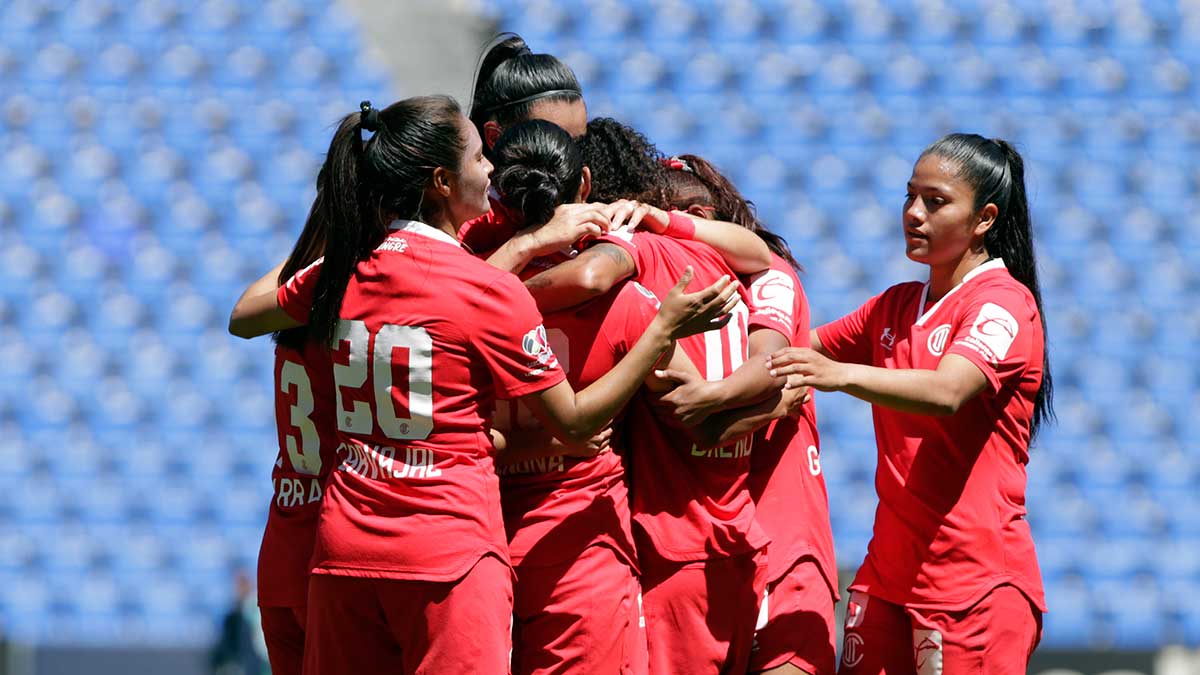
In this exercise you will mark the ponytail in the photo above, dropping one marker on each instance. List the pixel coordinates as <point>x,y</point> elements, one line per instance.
<point>362,186</point>
<point>538,167</point>
<point>996,171</point>
<point>693,180</point>
<point>510,79</point>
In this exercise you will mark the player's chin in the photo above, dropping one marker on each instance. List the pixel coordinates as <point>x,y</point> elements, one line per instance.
<point>916,251</point>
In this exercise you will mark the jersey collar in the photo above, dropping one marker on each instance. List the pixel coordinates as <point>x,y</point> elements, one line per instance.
<point>993,264</point>
<point>417,227</point>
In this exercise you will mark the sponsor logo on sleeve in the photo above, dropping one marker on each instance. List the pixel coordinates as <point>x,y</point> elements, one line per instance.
<point>887,338</point>
<point>993,332</point>
<point>927,651</point>
<point>774,295</point>
<point>536,345</point>
<point>937,339</point>
<point>648,294</point>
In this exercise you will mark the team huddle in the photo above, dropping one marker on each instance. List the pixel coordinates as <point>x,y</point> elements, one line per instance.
<point>544,399</point>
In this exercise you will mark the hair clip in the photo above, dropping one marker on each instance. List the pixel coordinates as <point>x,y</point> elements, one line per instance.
<point>677,164</point>
<point>370,117</point>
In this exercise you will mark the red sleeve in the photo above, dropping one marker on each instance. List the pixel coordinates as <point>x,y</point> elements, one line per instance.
<point>629,317</point>
<point>295,297</point>
<point>625,241</point>
<point>995,332</point>
<point>774,302</point>
<point>846,339</point>
<point>511,339</point>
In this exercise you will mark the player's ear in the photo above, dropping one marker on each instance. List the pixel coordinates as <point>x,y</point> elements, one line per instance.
<point>491,133</point>
<point>440,182</point>
<point>987,218</point>
<point>585,185</point>
<point>698,211</point>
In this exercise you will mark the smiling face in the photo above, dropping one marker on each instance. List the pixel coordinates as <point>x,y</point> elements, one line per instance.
<point>941,223</point>
<point>469,185</point>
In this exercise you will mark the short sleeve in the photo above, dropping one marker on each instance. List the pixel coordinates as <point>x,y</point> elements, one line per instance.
<point>773,302</point>
<point>625,241</point>
<point>295,297</point>
<point>846,339</point>
<point>628,318</point>
<point>995,333</point>
<point>511,340</point>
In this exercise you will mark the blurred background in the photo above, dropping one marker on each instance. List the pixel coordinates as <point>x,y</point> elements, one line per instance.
<point>157,155</point>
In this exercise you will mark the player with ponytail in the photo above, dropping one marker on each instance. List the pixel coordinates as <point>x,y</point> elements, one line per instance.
<point>958,376</point>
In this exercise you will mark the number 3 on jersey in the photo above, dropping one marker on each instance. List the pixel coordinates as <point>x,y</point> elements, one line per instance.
<point>304,450</point>
<point>393,346</point>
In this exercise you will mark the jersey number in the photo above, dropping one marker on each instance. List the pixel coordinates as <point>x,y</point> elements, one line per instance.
<point>730,339</point>
<point>304,449</point>
<point>380,354</point>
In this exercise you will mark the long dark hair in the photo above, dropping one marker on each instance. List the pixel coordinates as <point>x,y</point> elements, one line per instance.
<point>309,246</point>
<point>538,166</point>
<point>510,79</point>
<point>363,184</point>
<point>994,168</point>
<point>693,180</point>
<point>624,164</point>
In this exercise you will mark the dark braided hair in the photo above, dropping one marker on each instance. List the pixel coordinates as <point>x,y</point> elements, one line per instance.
<point>994,168</point>
<point>624,164</point>
<point>694,181</point>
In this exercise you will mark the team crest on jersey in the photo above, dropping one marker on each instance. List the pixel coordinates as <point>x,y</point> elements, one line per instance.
<point>937,339</point>
<point>927,651</point>
<point>537,345</point>
<point>992,333</point>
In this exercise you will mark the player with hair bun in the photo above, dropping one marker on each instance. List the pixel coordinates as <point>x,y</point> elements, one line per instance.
<point>410,569</point>
<point>958,377</point>
<point>700,549</point>
<point>795,632</point>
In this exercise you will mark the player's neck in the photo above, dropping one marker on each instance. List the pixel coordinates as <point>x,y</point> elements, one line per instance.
<point>943,278</point>
<point>444,224</point>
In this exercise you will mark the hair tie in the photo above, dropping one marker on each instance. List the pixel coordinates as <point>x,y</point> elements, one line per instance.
<point>527,99</point>
<point>370,117</point>
<point>676,164</point>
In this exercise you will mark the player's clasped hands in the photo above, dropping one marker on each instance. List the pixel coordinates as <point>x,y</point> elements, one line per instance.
<point>683,314</point>
<point>627,215</point>
<point>807,368</point>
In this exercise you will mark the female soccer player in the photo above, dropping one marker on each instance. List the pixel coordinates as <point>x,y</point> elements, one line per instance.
<point>796,631</point>
<point>410,568</point>
<point>957,373</point>
<point>700,549</point>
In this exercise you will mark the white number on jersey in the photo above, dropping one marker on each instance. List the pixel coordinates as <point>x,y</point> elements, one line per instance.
<point>414,423</point>
<point>304,451</point>
<point>731,339</point>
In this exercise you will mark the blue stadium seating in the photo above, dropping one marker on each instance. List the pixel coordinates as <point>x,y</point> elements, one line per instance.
<point>174,146</point>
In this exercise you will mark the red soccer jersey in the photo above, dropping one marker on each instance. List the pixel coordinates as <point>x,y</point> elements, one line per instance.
<point>429,337</point>
<point>692,504</point>
<point>950,525</point>
<point>785,467</point>
<point>556,507</point>
<point>308,444</point>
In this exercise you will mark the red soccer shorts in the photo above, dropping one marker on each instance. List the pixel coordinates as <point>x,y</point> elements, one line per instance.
<point>995,636</point>
<point>700,615</point>
<point>580,616</point>
<point>283,630</point>
<point>797,623</point>
<point>359,626</point>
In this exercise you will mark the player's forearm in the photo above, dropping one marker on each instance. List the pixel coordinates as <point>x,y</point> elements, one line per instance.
<point>513,255</point>
<point>252,315</point>
<point>743,251</point>
<point>731,425</point>
<point>920,392</point>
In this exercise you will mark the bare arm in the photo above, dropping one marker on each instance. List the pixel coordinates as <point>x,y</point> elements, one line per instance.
<point>523,445</point>
<point>816,343</point>
<point>592,273</point>
<point>744,251</point>
<point>938,392</point>
<point>257,312</point>
<point>695,398</point>
<point>575,417</point>
<point>728,426</point>
<point>570,223</point>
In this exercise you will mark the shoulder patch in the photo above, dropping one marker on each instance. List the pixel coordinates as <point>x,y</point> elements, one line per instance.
<point>774,293</point>
<point>995,329</point>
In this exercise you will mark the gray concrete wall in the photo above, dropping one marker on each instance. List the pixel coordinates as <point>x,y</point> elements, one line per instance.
<point>428,46</point>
